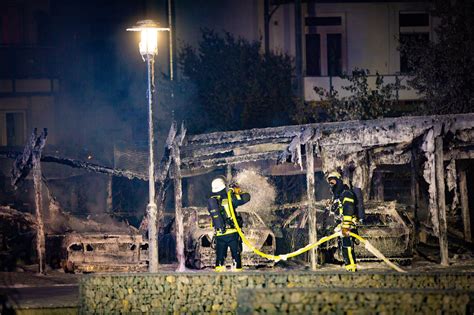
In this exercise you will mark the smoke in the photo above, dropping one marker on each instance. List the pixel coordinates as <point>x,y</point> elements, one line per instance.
<point>60,222</point>
<point>262,192</point>
<point>63,222</point>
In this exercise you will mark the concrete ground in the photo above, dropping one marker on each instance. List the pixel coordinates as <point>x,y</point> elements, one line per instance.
<point>27,290</point>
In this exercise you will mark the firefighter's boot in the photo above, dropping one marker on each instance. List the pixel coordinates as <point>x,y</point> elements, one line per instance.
<point>347,248</point>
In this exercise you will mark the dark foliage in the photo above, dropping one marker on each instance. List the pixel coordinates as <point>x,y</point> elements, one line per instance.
<point>237,87</point>
<point>443,69</point>
<point>364,102</point>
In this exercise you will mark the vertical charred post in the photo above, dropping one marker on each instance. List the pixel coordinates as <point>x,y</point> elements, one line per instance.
<point>40,238</point>
<point>378,186</point>
<point>109,200</point>
<point>439,171</point>
<point>178,199</point>
<point>310,190</point>
<point>229,173</point>
<point>465,206</point>
<point>415,190</point>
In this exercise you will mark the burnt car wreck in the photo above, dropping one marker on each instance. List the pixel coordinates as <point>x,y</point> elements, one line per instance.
<point>412,171</point>
<point>94,246</point>
<point>88,252</point>
<point>199,239</point>
<point>387,225</point>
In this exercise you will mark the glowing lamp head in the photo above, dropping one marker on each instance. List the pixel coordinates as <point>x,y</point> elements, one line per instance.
<point>149,41</point>
<point>148,36</point>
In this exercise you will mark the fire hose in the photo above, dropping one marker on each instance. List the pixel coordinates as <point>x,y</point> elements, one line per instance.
<point>308,247</point>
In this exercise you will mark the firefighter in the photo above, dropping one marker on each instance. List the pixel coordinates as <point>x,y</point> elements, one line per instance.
<point>344,206</point>
<point>226,235</point>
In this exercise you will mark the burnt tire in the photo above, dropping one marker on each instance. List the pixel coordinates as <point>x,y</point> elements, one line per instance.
<point>68,266</point>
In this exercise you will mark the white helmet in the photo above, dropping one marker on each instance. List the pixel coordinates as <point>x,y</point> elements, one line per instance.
<point>218,184</point>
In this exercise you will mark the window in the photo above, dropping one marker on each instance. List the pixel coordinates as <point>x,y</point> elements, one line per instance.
<point>414,19</point>
<point>406,38</point>
<point>313,55</point>
<point>11,25</point>
<point>325,46</point>
<point>334,46</point>
<point>414,28</point>
<point>15,123</point>
<point>323,21</point>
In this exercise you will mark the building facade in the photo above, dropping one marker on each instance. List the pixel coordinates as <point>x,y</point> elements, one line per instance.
<point>28,76</point>
<point>332,38</point>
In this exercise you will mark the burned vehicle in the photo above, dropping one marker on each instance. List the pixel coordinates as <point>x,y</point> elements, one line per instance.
<point>387,226</point>
<point>99,252</point>
<point>199,245</point>
<point>17,234</point>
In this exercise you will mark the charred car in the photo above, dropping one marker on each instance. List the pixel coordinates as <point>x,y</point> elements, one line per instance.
<point>199,242</point>
<point>387,226</point>
<point>99,252</point>
<point>17,238</point>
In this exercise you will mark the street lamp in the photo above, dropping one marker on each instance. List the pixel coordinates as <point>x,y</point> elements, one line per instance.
<point>148,47</point>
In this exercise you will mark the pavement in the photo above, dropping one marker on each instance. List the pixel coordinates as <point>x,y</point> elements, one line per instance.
<point>57,296</point>
<point>26,289</point>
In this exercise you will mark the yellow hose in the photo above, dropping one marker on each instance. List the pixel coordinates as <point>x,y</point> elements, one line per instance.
<point>308,247</point>
<point>376,252</point>
<point>268,256</point>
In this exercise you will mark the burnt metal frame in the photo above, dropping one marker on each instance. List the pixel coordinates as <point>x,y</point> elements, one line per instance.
<point>207,151</point>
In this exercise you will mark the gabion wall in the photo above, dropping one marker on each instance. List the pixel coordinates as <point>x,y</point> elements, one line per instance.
<point>169,292</point>
<point>352,301</point>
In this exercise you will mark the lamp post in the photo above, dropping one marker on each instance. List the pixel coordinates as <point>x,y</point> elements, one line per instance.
<point>148,47</point>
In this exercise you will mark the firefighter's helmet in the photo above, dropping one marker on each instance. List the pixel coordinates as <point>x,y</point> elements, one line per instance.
<point>218,184</point>
<point>334,174</point>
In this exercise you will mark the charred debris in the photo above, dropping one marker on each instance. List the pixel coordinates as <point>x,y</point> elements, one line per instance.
<point>435,151</point>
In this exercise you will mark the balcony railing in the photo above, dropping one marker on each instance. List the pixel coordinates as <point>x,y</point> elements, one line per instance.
<point>337,84</point>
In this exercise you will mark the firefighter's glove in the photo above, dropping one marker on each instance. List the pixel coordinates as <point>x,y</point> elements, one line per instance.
<point>345,231</point>
<point>235,188</point>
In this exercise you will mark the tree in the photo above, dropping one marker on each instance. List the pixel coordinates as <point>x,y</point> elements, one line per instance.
<point>443,69</point>
<point>237,87</point>
<point>363,102</point>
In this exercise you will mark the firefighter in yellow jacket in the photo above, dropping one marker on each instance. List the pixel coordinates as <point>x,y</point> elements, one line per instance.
<point>344,207</point>
<point>225,233</point>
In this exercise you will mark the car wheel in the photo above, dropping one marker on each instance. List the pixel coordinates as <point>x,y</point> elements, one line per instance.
<point>68,266</point>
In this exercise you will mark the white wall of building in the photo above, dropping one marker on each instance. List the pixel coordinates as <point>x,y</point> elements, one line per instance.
<point>369,31</point>
<point>240,18</point>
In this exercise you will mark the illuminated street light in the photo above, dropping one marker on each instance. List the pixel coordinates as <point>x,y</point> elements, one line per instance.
<point>148,47</point>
